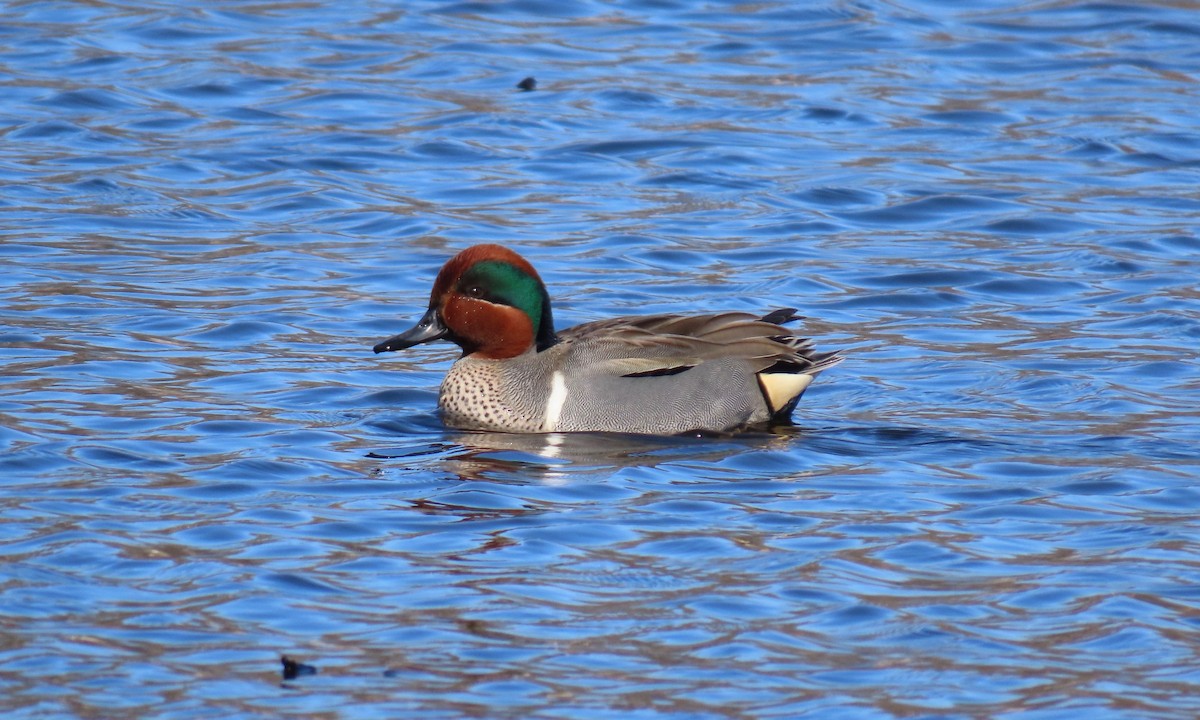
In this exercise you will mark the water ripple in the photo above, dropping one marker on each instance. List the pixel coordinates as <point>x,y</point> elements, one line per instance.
<point>213,213</point>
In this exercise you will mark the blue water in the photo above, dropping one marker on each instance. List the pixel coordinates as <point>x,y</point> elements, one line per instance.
<point>211,212</point>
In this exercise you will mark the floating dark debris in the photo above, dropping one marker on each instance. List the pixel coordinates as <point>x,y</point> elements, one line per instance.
<point>293,669</point>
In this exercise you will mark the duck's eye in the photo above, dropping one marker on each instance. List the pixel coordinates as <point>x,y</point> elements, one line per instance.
<point>475,291</point>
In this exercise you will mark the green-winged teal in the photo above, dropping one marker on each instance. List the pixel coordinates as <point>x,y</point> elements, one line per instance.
<point>653,374</point>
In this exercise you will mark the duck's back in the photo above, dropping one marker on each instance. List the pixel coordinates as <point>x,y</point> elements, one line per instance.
<point>668,374</point>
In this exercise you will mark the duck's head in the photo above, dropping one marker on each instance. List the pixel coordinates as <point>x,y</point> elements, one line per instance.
<point>489,301</point>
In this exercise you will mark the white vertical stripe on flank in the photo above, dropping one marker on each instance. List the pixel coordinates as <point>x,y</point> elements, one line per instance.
<point>554,405</point>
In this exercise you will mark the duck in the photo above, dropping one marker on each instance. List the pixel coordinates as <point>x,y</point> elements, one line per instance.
<point>663,374</point>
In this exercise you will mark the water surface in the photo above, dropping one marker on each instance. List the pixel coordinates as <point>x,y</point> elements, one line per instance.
<point>209,214</point>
